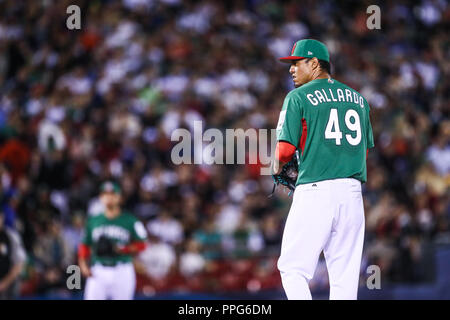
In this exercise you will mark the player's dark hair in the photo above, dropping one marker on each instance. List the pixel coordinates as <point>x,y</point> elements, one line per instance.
<point>324,65</point>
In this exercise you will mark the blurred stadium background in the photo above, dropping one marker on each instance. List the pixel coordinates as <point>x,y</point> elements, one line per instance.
<point>80,106</point>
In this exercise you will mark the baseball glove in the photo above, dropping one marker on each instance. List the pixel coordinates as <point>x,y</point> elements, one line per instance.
<point>105,247</point>
<point>288,175</point>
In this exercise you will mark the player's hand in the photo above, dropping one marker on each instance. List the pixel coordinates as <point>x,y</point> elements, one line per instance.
<point>276,167</point>
<point>119,249</point>
<point>85,270</point>
<point>286,174</point>
<point>3,286</point>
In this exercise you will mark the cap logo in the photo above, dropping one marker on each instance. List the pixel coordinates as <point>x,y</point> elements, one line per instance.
<point>109,186</point>
<point>310,53</point>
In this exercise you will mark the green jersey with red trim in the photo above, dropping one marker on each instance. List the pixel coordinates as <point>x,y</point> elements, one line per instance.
<point>122,230</point>
<point>329,122</point>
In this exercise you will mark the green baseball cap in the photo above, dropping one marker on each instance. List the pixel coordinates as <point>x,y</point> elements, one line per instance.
<point>110,186</point>
<point>307,48</point>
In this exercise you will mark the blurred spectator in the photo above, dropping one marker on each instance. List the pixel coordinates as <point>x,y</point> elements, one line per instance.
<point>53,254</point>
<point>72,233</point>
<point>210,240</point>
<point>271,233</point>
<point>166,228</point>
<point>158,260</point>
<point>191,261</point>
<point>245,240</point>
<point>12,260</point>
<point>439,152</point>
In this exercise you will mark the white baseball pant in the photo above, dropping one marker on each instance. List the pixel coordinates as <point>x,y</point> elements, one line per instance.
<point>116,282</point>
<point>325,216</point>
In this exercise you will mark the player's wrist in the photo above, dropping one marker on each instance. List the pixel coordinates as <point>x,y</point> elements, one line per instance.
<point>132,248</point>
<point>120,249</point>
<point>274,167</point>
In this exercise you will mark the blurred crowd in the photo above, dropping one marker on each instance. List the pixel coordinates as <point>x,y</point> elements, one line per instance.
<point>78,107</point>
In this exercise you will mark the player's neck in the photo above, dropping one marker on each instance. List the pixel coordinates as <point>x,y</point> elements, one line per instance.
<point>322,75</point>
<point>112,213</point>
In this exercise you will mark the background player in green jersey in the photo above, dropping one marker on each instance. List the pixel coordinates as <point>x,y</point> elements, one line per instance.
<point>328,122</point>
<point>110,240</point>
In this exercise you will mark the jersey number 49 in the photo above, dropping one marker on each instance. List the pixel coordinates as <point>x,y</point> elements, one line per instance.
<point>352,122</point>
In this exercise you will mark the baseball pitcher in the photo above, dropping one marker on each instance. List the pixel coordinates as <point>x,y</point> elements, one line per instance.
<point>110,240</point>
<point>328,124</point>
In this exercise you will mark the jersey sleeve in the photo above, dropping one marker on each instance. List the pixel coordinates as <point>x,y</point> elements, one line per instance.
<point>369,133</point>
<point>18,254</point>
<point>138,232</point>
<point>86,237</point>
<point>289,122</point>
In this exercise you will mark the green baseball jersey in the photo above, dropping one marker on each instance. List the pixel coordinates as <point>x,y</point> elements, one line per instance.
<point>122,230</point>
<point>329,123</point>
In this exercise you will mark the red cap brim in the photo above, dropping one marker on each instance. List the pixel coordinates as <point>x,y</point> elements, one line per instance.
<point>290,58</point>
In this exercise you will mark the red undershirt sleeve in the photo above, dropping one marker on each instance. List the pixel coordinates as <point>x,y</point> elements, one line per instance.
<point>134,247</point>
<point>84,251</point>
<point>284,151</point>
